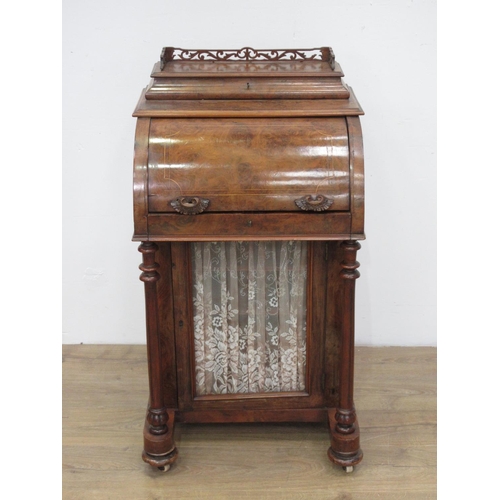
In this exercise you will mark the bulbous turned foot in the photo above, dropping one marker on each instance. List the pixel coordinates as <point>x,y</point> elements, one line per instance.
<point>344,449</point>
<point>159,449</point>
<point>161,462</point>
<point>346,460</point>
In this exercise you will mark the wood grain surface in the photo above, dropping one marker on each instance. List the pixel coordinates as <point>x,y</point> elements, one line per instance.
<point>105,388</point>
<point>248,164</point>
<point>257,108</point>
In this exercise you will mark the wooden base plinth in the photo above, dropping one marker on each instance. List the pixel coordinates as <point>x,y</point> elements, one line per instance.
<point>160,451</point>
<point>344,449</point>
<point>251,416</point>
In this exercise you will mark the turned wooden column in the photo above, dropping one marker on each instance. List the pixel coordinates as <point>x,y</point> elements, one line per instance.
<point>159,448</point>
<point>344,429</point>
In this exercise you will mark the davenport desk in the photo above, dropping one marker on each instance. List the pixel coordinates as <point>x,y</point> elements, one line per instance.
<point>248,203</point>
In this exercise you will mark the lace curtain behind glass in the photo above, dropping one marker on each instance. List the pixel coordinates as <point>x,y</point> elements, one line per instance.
<point>249,316</point>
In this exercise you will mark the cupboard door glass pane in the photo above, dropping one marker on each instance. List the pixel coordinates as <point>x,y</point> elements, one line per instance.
<point>249,305</point>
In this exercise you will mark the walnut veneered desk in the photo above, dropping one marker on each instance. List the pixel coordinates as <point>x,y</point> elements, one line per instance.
<point>248,203</point>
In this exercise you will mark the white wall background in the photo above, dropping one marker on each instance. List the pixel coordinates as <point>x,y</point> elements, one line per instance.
<point>387,49</point>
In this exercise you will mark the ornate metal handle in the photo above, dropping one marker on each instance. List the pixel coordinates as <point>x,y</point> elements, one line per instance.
<point>315,202</point>
<point>190,205</point>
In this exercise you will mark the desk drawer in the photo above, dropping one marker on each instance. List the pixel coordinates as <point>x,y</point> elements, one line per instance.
<point>245,226</point>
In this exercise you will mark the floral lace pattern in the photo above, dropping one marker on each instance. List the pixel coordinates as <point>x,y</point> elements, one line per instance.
<point>249,316</point>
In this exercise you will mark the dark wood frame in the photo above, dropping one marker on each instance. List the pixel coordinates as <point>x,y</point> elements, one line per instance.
<point>333,270</point>
<point>189,402</point>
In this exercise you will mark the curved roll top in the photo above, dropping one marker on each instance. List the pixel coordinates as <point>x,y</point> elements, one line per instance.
<point>248,165</point>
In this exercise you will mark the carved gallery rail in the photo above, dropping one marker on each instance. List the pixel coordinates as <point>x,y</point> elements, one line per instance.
<point>248,203</point>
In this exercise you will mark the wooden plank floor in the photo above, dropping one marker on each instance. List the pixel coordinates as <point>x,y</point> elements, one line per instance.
<point>104,397</point>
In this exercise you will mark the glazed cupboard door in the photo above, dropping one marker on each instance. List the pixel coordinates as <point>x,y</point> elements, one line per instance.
<point>249,320</point>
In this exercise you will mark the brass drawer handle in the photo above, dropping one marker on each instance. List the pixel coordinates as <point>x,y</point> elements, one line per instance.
<point>190,205</point>
<point>315,202</point>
